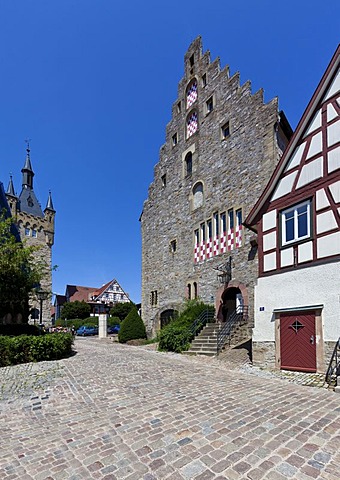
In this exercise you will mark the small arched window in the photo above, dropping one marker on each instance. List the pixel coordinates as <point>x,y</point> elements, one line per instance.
<point>189,291</point>
<point>188,163</point>
<point>192,124</point>
<point>195,290</point>
<point>198,196</point>
<point>191,93</point>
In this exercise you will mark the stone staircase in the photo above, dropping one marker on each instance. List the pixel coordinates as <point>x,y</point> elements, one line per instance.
<point>205,342</point>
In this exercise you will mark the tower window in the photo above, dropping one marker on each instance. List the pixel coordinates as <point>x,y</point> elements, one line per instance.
<point>163,179</point>
<point>179,107</point>
<point>204,80</point>
<point>209,105</point>
<point>174,139</point>
<point>198,195</point>
<point>188,163</point>
<point>27,232</point>
<point>192,60</point>
<point>34,233</point>
<point>225,131</point>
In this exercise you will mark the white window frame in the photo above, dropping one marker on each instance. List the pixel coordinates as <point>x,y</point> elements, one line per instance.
<point>296,238</point>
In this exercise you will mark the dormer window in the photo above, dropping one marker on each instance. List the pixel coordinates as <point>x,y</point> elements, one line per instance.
<point>192,93</point>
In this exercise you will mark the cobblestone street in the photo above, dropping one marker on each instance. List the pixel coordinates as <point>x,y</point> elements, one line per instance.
<point>121,412</point>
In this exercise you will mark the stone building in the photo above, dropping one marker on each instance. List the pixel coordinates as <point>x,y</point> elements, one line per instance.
<point>222,145</point>
<point>36,227</point>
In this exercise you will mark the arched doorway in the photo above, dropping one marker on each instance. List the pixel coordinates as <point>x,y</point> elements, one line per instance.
<point>232,300</point>
<point>167,316</point>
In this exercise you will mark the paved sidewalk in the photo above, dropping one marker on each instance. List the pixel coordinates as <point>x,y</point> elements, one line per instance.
<point>121,412</point>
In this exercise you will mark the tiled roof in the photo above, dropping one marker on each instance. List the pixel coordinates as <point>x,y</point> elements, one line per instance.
<point>78,293</point>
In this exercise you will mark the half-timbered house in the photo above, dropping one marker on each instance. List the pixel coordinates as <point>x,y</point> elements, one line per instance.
<point>297,219</point>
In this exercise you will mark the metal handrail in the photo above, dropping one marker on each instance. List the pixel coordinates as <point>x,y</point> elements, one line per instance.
<point>333,369</point>
<point>237,317</point>
<point>205,317</point>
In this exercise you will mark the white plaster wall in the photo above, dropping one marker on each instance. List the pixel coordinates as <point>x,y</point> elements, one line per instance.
<point>269,241</point>
<point>284,186</point>
<point>310,172</point>
<point>315,145</point>
<point>287,257</point>
<point>328,245</point>
<point>307,286</point>
<point>333,133</point>
<point>325,222</point>
<point>321,199</point>
<point>334,159</point>
<point>269,220</point>
<point>269,261</point>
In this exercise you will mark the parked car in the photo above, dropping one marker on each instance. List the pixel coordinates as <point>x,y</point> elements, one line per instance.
<point>113,329</point>
<point>85,331</point>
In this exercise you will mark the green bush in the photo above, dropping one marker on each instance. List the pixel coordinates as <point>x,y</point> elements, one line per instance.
<point>78,322</point>
<point>19,329</point>
<point>111,321</point>
<point>122,309</point>
<point>132,327</point>
<point>28,348</point>
<point>177,335</point>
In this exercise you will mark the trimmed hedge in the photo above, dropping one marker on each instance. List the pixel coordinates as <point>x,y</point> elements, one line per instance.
<point>20,329</point>
<point>132,327</point>
<point>29,348</point>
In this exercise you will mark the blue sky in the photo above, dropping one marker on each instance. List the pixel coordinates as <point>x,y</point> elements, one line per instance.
<point>92,82</point>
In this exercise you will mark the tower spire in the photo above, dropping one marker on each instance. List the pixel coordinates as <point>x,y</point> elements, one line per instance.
<point>49,205</point>
<point>27,171</point>
<point>10,188</point>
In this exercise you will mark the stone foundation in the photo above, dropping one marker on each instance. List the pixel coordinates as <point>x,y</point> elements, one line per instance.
<point>264,354</point>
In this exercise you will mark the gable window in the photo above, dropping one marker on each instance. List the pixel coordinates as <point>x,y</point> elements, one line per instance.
<point>191,93</point>
<point>188,163</point>
<point>192,124</point>
<point>296,223</point>
<point>204,80</point>
<point>209,105</point>
<point>179,107</point>
<point>163,179</point>
<point>225,131</point>
<point>174,140</point>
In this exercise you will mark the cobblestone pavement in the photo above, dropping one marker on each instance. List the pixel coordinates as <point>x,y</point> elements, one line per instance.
<point>121,412</point>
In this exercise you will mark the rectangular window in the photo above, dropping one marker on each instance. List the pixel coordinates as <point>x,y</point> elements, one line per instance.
<point>202,232</point>
<point>296,223</point>
<point>27,232</point>
<point>192,60</point>
<point>179,107</point>
<point>238,214</point>
<point>197,237</point>
<point>223,222</point>
<point>204,80</point>
<point>34,233</point>
<point>209,105</point>
<point>209,224</point>
<point>163,179</point>
<point>231,218</point>
<point>174,139</point>
<point>225,131</point>
<point>216,225</point>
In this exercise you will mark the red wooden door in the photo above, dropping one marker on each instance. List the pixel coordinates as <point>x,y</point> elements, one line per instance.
<point>297,341</point>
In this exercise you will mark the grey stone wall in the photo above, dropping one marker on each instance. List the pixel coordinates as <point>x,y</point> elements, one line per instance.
<point>264,354</point>
<point>233,171</point>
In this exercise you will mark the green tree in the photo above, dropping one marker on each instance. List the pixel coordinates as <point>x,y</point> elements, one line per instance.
<point>20,272</point>
<point>132,327</point>
<point>122,309</point>
<point>75,309</point>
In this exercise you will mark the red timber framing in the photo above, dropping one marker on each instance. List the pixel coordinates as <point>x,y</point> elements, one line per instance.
<point>309,170</point>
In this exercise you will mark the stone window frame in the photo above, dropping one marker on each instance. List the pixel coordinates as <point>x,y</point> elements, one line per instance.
<point>174,139</point>
<point>209,105</point>
<point>204,80</point>
<point>192,195</point>
<point>163,180</point>
<point>225,127</point>
<point>179,107</point>
<point>192,150</point>
<point>154,298</point>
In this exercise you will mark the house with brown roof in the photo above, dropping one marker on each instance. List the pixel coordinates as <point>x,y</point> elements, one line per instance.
<point>100,299</point>
<point>297,221</point>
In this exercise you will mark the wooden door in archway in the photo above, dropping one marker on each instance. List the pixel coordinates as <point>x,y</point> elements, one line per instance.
<point>297,341</point>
